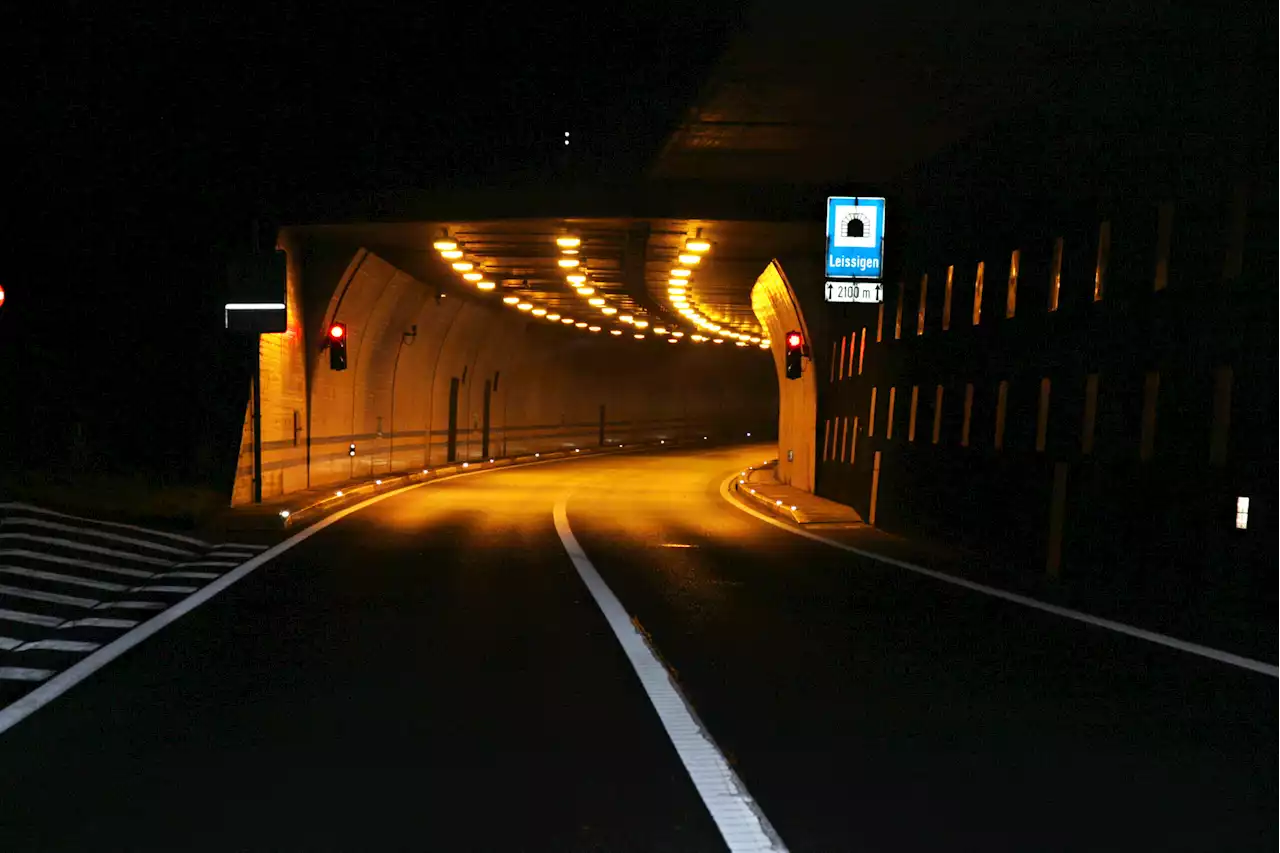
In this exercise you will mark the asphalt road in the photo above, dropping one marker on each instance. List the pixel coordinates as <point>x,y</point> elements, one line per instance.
<point>431,673</point>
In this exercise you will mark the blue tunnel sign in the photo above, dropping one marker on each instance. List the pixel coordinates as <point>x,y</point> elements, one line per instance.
<point>855,237</point>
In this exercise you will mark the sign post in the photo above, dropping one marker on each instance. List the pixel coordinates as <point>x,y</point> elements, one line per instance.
<point>855,249</point>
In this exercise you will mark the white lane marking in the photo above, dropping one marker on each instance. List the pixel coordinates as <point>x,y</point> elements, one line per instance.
<point>58,646</point>
<point>15,521</point>
<point>72,561</point>
<point>740,821</point>
<point>22,673</point>
<point>9,644</point>
<point>197,575</point>
<point>30,618</point>
<point>224,564</point>
<point>239,546</point>
<point>50,597</point>
<point>1065,612</point>
<point>113,524</point>
<point>92,549</point>
<point>163,588</point>
<point>18,711</point>
<point>96,622</point>
<point>58,577</point>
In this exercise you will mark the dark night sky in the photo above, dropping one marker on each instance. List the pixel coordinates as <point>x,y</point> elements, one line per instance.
<point>149,139</point>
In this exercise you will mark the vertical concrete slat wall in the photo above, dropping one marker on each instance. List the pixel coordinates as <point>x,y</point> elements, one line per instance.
<point>392,401</point>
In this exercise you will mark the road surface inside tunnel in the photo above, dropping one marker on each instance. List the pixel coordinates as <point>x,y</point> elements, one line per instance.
<point>432,673</point>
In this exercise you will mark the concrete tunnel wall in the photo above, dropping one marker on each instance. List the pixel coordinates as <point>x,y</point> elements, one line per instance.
<point>546,382</point>
<point>778,309</point>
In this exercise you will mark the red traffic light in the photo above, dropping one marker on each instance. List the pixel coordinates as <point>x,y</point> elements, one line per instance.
<point>1,294</point>
<point>794,339</point>
<point>338,331</point>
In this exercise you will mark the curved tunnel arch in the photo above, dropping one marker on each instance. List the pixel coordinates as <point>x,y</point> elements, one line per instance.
<point>553,379</point>
<point>777,307</point>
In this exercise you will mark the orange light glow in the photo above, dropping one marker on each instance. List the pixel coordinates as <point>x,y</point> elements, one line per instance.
<point>485,285</point>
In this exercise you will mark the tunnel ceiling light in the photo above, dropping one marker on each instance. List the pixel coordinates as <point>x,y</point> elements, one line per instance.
<point>608,309</point>
<point>718,341</point>
<point>539,312</point>
<point>596,301</point>
<point>740,343</point>
<point>679,300</point>
<point>485,285</point>
<point>755,339</point>
<point>568,263</point>
<point>677,290</point>
<point>444,245</point>
<point>525,306</point>
<point>673,340</point>
<point>473,276</point>
<point>638,336</point>
<point>659,330</point>
<point>615,332</point>
<point>568,251</point>
<point>452,254</point>
<point>677,334</point>
<point>689,260</point>
<point>566,320</point>
<point>699,245</point>
<point>579,325</point>
<point>568,242</point>
<point>463,266</point>
<point>586,291</point>
<point>678,282</point>
<point>553,317</point>
<point>681,272</point>
<point>764,345</point>
<point>575,278</point>
<point>511,300</point>
<point>593,328</point>
<point>626,318</point>
<point>642,324</point>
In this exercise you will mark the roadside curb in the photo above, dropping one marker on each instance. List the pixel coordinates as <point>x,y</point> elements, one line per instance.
<point>742,486</point>
<point>307,509</point>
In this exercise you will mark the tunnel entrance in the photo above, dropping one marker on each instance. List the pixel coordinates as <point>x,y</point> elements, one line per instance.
<point>454,384</point>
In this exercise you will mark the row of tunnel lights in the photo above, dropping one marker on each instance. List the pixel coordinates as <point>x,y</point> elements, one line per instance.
<point>679,288</point>
<point>569,246</point>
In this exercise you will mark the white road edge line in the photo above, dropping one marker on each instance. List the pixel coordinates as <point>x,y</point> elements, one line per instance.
<point>1026,601</point>
<point>741,823</point>
<point>18,711</point>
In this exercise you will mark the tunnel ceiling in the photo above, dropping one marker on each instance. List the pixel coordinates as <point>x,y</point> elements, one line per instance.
<point>627,262</point>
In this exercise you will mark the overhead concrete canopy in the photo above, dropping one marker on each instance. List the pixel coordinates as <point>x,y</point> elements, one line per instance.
<point>607,270</point>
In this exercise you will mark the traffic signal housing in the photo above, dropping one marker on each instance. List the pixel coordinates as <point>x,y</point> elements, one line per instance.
<point>795,354</point>
<point>336,341</point>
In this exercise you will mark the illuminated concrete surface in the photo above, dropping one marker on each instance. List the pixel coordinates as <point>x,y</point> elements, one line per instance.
<point>432,669</point>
